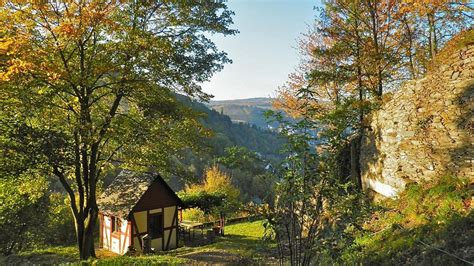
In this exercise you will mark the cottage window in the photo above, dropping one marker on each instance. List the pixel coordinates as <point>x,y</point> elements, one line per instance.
<point>116,224</point>
<point>112,223</point>
<point>155,225</point>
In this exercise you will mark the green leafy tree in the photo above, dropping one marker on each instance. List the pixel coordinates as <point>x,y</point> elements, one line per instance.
<point>314,207</point>
<point>357,50</point>
<point>242,158</point>
<point>88,83</point>
<point>224,136</point>
<point>249,174</point>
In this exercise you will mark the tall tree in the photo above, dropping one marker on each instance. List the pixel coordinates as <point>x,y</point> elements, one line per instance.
<point>360,49</point>
<point>427,26</point>
<point>86,83</point>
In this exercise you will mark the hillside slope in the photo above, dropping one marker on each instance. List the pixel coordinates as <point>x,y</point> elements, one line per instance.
<point>228,133</point>
<point>225,134</point>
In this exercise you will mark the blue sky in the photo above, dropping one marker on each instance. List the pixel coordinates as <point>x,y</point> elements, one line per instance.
<point>264,52</point>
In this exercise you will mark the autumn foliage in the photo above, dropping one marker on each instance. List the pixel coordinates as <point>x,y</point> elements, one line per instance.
<point>357,50</point>
<point>214,181</point>
<point>86,85</point>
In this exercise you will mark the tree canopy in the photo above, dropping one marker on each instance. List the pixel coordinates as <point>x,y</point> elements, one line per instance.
<point>88,83</point>
<point>358,50</point>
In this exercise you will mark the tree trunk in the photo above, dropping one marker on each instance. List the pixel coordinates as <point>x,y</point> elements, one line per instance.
<point>88,244</point>
<point>360,87</point>
<point>432,39</point>
<point>377,49</point>
<point>85,234</point>
<point>410,48</point>
<point>79,234</point>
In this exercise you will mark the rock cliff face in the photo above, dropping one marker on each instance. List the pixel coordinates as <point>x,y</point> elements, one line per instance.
<point>425,129</point>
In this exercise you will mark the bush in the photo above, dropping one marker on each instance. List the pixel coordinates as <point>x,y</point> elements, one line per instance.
<point>215,196</point>
<point>195,214</point>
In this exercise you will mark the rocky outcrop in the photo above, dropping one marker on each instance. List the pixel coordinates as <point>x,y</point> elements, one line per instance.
<point>424,130</point>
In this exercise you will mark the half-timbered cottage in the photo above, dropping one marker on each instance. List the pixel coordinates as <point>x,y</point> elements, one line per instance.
<point>135,205</point>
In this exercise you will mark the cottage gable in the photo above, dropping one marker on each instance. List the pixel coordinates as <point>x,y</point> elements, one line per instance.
<point>158,195</point>
<point>131,189</point>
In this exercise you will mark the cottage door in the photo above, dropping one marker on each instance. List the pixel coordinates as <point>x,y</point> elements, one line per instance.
<point>155,225</point>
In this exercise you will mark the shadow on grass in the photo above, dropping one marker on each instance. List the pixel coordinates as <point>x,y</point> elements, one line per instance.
<point>235,249</point>
<point>217,257</point>
<point>238,242</point>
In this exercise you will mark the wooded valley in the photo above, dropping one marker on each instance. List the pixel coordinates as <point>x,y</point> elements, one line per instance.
<point>114,152</point>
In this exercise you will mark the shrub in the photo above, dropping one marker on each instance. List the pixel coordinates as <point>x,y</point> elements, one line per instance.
<point>216,195</point>
<point>195,214</point>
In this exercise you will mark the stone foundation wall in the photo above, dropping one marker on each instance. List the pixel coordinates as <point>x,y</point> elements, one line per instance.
<point>424,130</point>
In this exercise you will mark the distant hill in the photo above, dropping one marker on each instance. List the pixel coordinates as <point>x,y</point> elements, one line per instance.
<point>261,102</point>
<point>228,133</point>
<point>249,111</point>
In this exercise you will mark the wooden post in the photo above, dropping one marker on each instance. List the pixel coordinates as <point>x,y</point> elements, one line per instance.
<point>101,230</point>
<point>163,230</point>
<point>177,226</point>
<point>130,233</point>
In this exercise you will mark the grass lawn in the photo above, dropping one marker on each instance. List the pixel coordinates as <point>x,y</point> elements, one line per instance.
<point>246,239</point>
<point>242,244</point>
